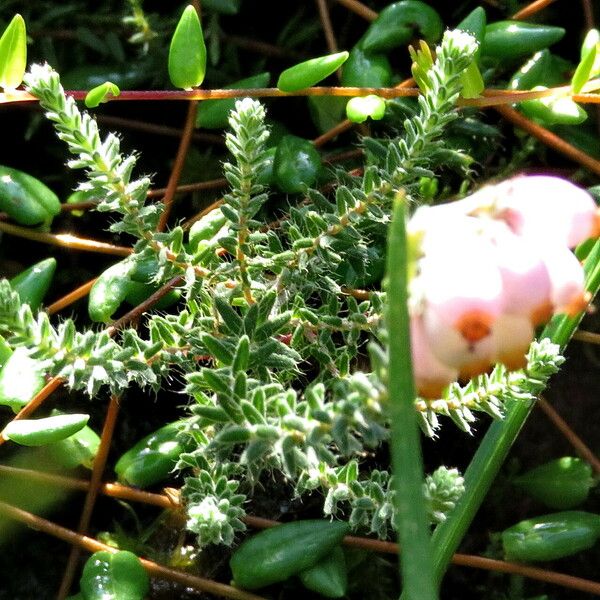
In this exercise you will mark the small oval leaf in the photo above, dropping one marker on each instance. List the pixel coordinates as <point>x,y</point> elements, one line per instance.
<point>187,53</point>
<point>38,432</point>
<point>13,53</point>
<point>114,576</point>
<point>362,107</point>
<point>310,72</point>
<point>101,93</point>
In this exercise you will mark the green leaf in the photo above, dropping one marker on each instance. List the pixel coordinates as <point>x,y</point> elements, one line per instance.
<point>114,576</point>
<point>13,53</point>
<point>78,449</point>
<point>359,109</point>
<point>38,432</point>
<point>589,52</point>
<point>472,81</point>
<point>33,283</point>
<point>101,93</point>
<point>21,378</point>
<point>310,72</point>
<point>187,53</point>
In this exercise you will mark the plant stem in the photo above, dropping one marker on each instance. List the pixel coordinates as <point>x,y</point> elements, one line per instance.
<point>407,463</point>
<point>498,440</point>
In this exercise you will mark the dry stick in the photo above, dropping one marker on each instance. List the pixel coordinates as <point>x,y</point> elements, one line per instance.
<point>580,447</point>
<point>92,493</point>
<point>531,9</point>
<point>327,27</point>
<point>360,9</point>
<point>73,296</point>
<point>211,184</point>
<point>170,502</point>
<point>91,545</point>
<point>587,336</point>
<point>549,138</point>
<point>184,144</point>
<point>155,129</point>
<point>65,240</point>
<point>588,12</point>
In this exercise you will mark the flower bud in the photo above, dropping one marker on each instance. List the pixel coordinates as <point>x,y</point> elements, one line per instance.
<point>431,376</point>
<point>512,335</point>
<point>548,209</point>
<point>568,293</point>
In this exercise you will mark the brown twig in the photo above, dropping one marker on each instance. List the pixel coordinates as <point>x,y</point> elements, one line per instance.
<point>65,240</point>
<point>531,9</point>
<point>327,26</point>
<point>73,296</point>
<point>578,444</point>
<point>360,9</point>
<point>156,129</point>
<point>184,144</point>
<point>92,493</point>
<point>212,184</point>
<point>550,139</point>
<point>92,545</point>
<point>171,502</point>
<point>587,336</point>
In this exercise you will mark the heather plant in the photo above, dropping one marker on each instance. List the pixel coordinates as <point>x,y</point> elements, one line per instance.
<point>299,359</point>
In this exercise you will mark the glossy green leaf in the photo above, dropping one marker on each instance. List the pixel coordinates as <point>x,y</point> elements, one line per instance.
<point>589,54</point>
<point>474,23</point>
<point>310,72</point>
<point>26,199</point>
<point>553,110</point>
<point>361,108</point>
<point>114,576</point>
<point>109,291</point>
<point>509,40</point>
<point>187,52</point>
<point>366,70</point>
<point>101,93</point>
<point>78,449</point>
<point>33,283</point>
<point>591,40</point>
<point>13,54</point>
<point>400,22</point>
<point>296,164</point>
<point>38,432</point>
<point>214,114</point>
<point>561,483</point>
<point>329,577</point>
<point>472,81</point>
<point>152,458</point>
<point>21,378</point>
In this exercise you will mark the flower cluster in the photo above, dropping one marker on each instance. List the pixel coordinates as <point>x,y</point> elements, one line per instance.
<point>491,268</point>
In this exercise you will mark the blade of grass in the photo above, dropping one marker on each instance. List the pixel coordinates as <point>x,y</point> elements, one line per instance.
<point>407,464</point>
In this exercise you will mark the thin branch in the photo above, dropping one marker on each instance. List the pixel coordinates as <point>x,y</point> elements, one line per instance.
<point>92,545</point>
<point>360,9</point>
<point>184,144</point>
<point>550,139</point>
<point>531,9</point>
<point>73,296</point>
<point>578,444</point>
<point>92,493</point>
<point>64,240</point>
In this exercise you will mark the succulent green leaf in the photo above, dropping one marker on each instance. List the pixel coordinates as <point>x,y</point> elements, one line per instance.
<point>114,576</point>
<point>101,93</point>
<point>13,53</point>
<point>33,283</point>
<point>38,432</point>
<point>359,109</point>
<point>589,54</point>
<point>187,52</point>
<point>310,72</point>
